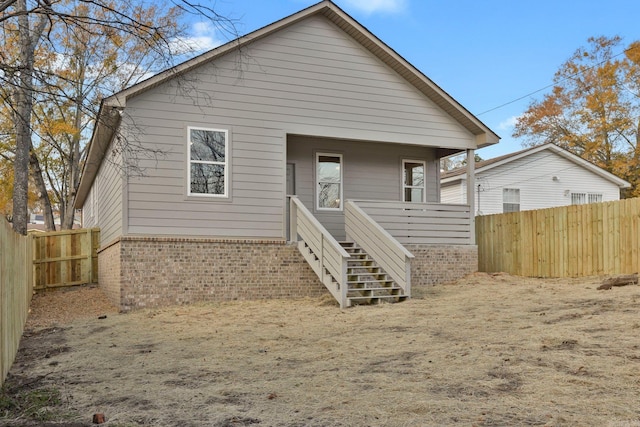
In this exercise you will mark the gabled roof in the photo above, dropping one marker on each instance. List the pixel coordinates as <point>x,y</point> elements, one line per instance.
<point>486,165</point>
<point>108,117</point>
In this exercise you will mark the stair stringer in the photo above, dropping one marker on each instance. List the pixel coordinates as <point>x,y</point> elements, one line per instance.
<point>327,279</point>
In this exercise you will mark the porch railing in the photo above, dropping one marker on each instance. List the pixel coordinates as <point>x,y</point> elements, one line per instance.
<point>377,242</point>
<point>422,223</point>
<point>323,253</point>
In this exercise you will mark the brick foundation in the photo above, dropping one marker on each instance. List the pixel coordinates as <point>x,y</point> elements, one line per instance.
<point>434,264</point>
<point>148,272</point>
<point>109,272</point>
<point>151,272</point>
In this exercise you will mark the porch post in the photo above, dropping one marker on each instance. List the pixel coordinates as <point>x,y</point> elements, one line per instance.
<point>471,195</point>
<point>293,220</point>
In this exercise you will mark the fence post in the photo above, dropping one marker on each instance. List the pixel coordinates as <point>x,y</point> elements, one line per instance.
<point>87,264</point>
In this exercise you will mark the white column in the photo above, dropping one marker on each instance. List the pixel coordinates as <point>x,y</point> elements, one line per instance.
<point>471,186</point>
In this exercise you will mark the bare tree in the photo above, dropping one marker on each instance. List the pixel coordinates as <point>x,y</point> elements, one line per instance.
<point>64,56</point>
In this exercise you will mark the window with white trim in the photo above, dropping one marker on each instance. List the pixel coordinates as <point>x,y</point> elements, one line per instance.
<point>595,198</point>
<point>208,162</point>
<point>510,200</point>
<point>583,198</point>
<point>329,181</point>
<point>578,198</point>
<point>413,186</point>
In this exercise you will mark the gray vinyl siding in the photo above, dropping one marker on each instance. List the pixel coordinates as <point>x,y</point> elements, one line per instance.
<point>309,79</point>
<point>533,176</point>
<point>371,171</point>
<point>88,214</point>
<point>107,190</point>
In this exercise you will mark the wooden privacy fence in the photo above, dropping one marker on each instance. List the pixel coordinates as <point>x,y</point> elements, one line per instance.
<point>15,292</point>
<point>569,241</point>
<point>65,258</point>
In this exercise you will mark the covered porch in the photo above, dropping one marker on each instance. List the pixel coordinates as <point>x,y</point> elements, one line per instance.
<point>350,201</point>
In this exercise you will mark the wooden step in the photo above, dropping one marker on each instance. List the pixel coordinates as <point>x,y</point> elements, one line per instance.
<point>355,252</point>
<point>375,292</point>
<point>372,281</point>
<point>377,299</point>
<point>359,260</point>
<point>363,268</point>
<point>375,288</point>
<point>365,273</point>
<point>367,282</point>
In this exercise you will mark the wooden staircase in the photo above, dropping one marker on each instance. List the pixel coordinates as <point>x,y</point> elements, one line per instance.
<point>367,282</point>
<point>346,269</point>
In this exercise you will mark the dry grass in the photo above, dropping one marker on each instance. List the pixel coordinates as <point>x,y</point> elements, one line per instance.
<point>65,305</point>
<point>486,351</point>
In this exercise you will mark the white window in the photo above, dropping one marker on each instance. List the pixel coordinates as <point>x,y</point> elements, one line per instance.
<point>413,186</point>
<point>208,162</point>
<point>582,198</point>
<point>578,198</point>
<point>510,200</point>
<point>329,181</point>
<point>595,198</point>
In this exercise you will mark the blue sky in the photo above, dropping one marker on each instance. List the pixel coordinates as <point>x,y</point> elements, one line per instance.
<point>484,53</point>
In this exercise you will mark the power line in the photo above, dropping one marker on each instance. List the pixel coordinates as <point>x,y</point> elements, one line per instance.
<point>553,84</point>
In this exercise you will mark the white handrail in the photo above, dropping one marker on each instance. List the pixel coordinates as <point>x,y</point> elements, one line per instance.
<point>331,257</point>
<point>394,258</point>
<point>422,223</point>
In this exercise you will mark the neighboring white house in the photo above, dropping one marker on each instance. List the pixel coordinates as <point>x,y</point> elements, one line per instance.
<point>541,177</point>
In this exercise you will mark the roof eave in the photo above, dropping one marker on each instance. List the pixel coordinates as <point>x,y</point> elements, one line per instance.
<point>103,132</point>
<point>621,183</point>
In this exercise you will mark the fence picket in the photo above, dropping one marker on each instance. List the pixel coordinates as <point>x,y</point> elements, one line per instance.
<point>15,292</point>
<point>568,241</point>
<point>65,258</point>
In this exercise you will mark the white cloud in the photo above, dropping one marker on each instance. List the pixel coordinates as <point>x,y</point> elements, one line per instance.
<point>508,123</point>
<point>202,38</point>
<point>372,6</point>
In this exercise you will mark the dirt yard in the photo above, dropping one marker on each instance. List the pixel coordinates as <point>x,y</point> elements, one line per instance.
<point>486,351</point>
